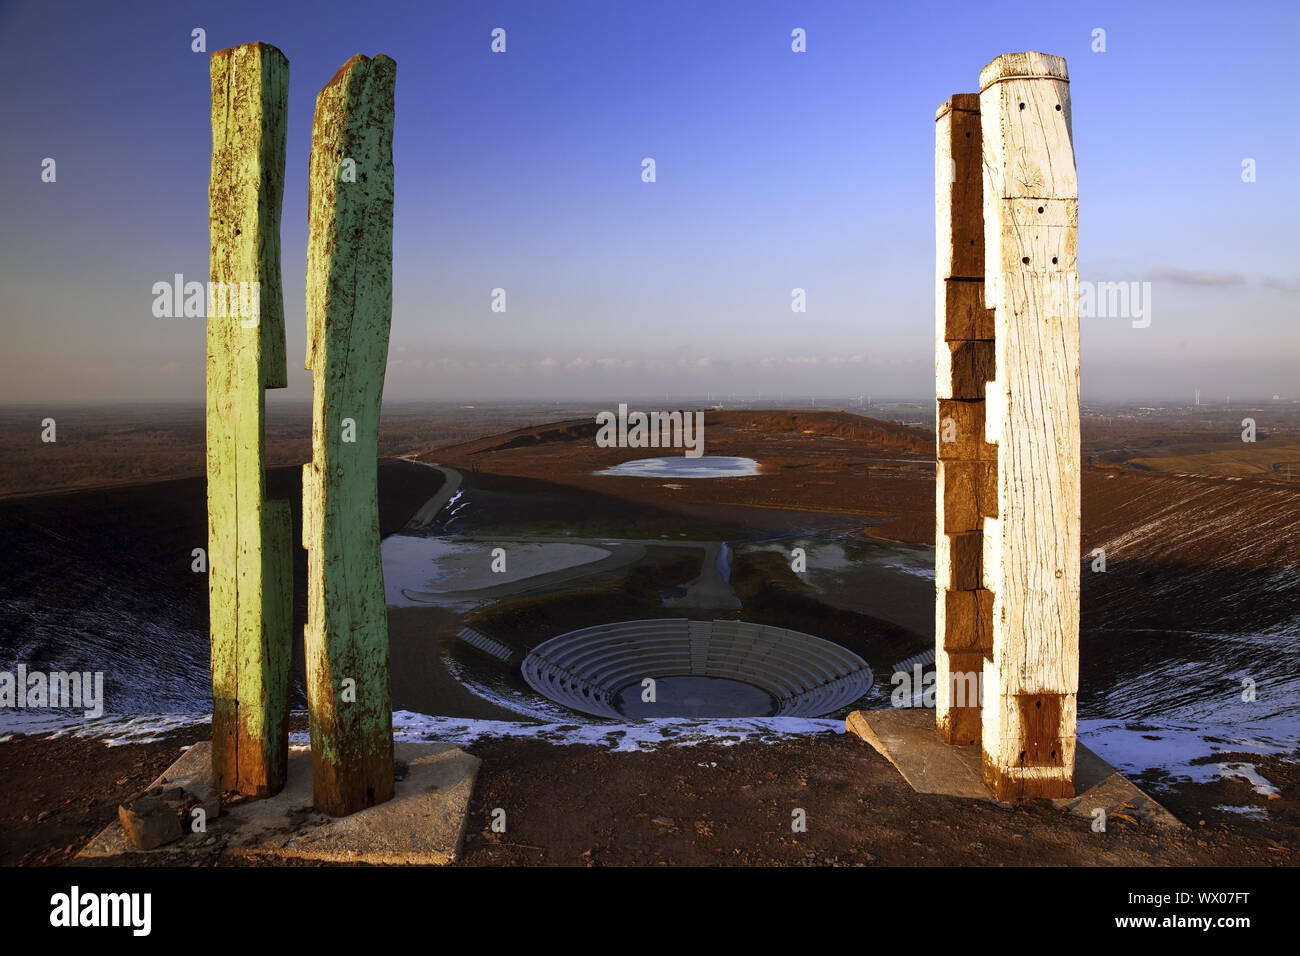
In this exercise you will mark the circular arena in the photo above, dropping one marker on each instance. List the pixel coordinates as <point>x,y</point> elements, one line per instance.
<point>700,668</point>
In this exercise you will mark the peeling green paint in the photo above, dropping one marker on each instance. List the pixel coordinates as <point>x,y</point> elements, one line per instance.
<point>349,312</point>
<point>250,564</point>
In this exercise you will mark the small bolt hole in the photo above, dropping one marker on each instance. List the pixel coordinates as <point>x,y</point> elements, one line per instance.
<point>1025,260</point>
<point>968,135</point>
<point>1040,209</point>
<point>1058,107</point>
<point>1022,106</point>
<point>1058,573</point>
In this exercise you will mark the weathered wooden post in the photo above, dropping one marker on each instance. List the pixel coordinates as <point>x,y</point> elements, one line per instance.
<point>249,563</point>
<point>1031,549</point>
<point>349,311</point>
<point>1007,372</point>
<point>966,485</point>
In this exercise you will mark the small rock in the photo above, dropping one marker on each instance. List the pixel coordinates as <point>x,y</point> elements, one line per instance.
<point>205,795</point>
<point>150,822</point>
<point>662,821</point>
<point>44,814</point>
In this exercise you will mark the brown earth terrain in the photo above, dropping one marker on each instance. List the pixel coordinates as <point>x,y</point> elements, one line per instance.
<point>1183,551</point>
<point>703,805</point>
<point>832,463</point>
<point>104,445</point>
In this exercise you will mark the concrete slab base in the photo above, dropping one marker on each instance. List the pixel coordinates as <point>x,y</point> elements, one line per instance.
<point>906,737</point>
<point>424,823</point>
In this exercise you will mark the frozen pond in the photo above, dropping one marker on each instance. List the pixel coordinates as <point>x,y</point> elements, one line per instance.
<point>417,570</point>
<point>682,467</point>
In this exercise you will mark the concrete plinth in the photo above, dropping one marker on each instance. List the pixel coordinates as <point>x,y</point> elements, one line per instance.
<point>907,738</point>
<point>424,822</point>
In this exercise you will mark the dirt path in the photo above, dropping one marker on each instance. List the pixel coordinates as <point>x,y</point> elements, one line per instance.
<point>429,510</point>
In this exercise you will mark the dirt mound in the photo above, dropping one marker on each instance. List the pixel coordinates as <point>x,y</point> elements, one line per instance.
<point>890,436</point>
<point>555,432</point>
<point>871,433</point>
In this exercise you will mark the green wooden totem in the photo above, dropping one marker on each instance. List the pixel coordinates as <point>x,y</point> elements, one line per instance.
<point>349,311</point>
<point>250,570</point>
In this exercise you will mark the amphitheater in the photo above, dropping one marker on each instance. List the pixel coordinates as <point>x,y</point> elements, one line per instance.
<point>591,670</point>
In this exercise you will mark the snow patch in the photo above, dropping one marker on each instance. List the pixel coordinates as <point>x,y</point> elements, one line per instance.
<point>1181,750</point>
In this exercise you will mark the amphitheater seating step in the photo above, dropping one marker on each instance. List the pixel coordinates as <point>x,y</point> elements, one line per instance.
<point>485,644</point>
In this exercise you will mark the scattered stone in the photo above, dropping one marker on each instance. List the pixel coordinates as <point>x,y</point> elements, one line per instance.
<point>662,822</point>
<point>206,796</point>
<point>151,821</point>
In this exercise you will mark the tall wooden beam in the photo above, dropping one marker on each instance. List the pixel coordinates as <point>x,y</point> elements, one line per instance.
<point>349,311</point>
<point>249,562</point>
<point>1031,549</point>
<point>967,465</point>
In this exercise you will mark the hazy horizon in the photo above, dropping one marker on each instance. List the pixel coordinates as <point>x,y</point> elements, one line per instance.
<point>775,170</point>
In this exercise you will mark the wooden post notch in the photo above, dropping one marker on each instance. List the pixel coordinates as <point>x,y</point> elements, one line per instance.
<point>250,571</point>
<point>349,312</point>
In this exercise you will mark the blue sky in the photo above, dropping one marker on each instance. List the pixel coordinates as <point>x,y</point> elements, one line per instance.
<point>774,169</point>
